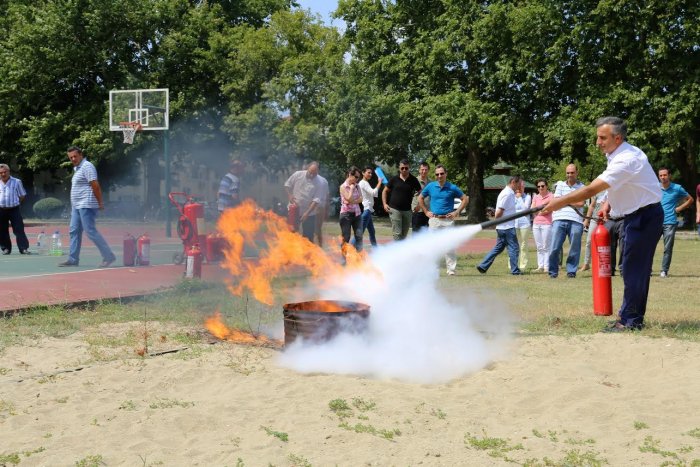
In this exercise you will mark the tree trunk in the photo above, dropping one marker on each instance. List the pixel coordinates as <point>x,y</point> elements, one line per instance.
<point>475,181</point>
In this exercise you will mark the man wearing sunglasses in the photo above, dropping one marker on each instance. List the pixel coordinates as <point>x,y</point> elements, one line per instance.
<point>397,197</point>
<point>442,213</point>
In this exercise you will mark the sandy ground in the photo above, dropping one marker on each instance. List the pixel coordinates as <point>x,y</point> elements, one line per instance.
<point>615,399</point>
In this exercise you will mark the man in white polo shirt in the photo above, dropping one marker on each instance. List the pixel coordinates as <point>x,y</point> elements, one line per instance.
<point>635,193</point>
<point>567,222</point>
<point>506,236</point>
<point>85,200</point>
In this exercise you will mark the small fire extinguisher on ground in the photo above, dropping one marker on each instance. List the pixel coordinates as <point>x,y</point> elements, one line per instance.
<point>601,270</point>
<point>129,250</point>
<point>193,266</point>
<point>143,248</point>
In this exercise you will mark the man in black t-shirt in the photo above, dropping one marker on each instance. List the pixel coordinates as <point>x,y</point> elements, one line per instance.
<point>397,197</point>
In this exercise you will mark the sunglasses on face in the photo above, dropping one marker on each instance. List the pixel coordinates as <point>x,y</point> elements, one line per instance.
<point>439,174</point>
<point>541,186</point>
<point>403,168</point>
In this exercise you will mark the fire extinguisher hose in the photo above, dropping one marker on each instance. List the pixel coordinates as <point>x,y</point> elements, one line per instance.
<point>185,230</point>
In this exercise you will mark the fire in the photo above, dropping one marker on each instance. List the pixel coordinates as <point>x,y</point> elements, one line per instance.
<point>280,251</point>
<point>218,329</point>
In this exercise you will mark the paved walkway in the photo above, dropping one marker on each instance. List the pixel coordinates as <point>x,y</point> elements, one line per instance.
<point>35,280</point>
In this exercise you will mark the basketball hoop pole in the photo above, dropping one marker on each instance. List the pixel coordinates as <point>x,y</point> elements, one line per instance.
<point>166,154</point>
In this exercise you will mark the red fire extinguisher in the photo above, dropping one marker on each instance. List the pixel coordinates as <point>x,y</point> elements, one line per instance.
<point>194,262</point>
<point>143,248</point>
<point>129,250</point>
<point>194,212</point>
<point>292,215</point>
<point>601,269</point>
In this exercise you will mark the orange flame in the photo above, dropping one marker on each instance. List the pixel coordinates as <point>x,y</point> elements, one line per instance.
<point>218,329</point>
<point>280,250</point>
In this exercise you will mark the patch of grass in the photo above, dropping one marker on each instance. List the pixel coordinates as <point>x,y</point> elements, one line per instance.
<point>7,408</point>
<point>363,405</point>
<point>640,425</point>
<point>341,408</point>
<point>170,403</point>
<point>438,413</point>
<point>10,459</point>
<point>362,428</point>
<point>4,371</point>
<point>277,434</point>
<point>127,405</point>
<point>586,458</point>
<point>695,433</point>
<point>496,447</point>
<point>298,461</point>
<point>653,446</point>
<point>91,461</point>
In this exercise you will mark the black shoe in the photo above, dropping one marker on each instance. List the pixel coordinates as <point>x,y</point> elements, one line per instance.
<point>619,327</point>
<point>481,270</point>
<point>553,276</point>
<point>66,264</point>
<point>571,275</point>
<point>106,264</point>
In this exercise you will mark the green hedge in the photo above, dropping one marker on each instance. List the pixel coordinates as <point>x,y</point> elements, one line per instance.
<point>48,208</point>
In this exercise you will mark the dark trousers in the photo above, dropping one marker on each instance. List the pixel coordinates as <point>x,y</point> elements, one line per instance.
<point>419,220</point>
<point>12,216</point>
<point>351,224</point>
<point>308,228</point>
<point>642,233</point>
<point>616,228</point>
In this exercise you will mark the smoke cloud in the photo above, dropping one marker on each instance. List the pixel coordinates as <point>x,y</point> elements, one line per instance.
<point>416,333</point>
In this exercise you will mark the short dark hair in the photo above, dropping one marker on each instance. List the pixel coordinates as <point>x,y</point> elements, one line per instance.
<point>515,178</point>
<point>663,168</point>
<point>74,149</point>
<point>440,166</point>
<point>404,162</point>
<point>537,182</point>
<point>368,167</point>
<point>618,125</point>
<point>424,164</point>
<point>353,170</point>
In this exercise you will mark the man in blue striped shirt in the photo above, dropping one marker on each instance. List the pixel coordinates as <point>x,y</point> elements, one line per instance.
<point>85,199</point>
<point>12,193</point>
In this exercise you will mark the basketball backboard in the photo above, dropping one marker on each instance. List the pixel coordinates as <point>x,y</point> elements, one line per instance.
<point>149,107</point>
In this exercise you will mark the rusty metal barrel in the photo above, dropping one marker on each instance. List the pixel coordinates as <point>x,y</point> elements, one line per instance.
<point>318,321</point>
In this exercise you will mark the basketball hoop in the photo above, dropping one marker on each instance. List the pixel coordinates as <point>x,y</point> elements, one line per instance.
<point>129,130</point>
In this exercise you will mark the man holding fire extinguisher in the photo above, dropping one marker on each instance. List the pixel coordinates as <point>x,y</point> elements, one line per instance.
<point>634,191</point>
<point>304,192</point>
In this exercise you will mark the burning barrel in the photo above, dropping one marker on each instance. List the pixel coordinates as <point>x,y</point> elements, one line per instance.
<point>320,320</point>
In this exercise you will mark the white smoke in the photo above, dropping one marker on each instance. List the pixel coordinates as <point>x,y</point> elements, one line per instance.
<point>415,333</point>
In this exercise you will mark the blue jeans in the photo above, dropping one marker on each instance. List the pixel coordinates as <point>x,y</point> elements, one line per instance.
<point>506,237</point>
<point>669,233</point>
<point>560,230</point>
<point>84,219</point>
<point>368,225</point>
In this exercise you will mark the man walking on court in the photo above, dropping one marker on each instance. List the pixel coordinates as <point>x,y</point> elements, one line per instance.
<point>674,200</point>
<point>12,193</point>
<point>634,192</point>
<point>86,200</point>
<point>442,213</point>
<point>505,206</point>
<point>229,194</point>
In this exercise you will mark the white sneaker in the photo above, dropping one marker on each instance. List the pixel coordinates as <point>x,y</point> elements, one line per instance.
<point>663,274</point>
<point>450,273</point>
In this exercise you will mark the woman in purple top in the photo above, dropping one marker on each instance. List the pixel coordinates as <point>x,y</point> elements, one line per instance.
<point>542,225</point>
<point>350,199</point>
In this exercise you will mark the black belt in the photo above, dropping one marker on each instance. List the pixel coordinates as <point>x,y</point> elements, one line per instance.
<point>642,209</point>
<point>3,208</point>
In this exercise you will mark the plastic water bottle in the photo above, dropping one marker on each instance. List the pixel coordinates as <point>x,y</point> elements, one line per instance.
<point>41,243</point>
<point>56,247</point>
